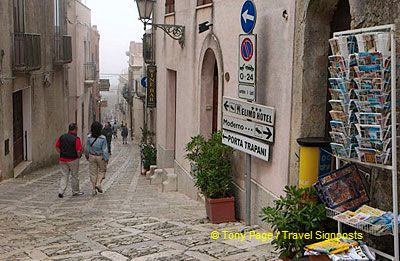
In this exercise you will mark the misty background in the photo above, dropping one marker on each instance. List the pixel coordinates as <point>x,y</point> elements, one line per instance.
<point>118,24</point>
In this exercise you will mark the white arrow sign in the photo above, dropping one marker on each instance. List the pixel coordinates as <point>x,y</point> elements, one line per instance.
<point>246,16</point>
<point>248,128</point>
<point>245,144</point>
<point>247,110</point>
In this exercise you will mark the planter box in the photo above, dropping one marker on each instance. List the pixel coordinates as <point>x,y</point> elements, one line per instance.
<point>220,210</point>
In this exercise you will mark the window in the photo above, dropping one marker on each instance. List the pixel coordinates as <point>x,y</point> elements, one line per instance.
<point>203,2</point>
<point>19,16</point>
<point>169,6</point>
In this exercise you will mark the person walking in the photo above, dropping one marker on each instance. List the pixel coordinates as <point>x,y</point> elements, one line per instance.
<point>97,154</point>
<point>107,132</point>
<point>124,134</point>
<point>115,129</point>
<point>69,147</point>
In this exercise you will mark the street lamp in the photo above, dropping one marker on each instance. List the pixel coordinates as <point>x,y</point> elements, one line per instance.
<point>145,8</point>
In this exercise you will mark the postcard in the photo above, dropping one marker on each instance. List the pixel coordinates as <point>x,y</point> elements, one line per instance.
<point>338,116</point>
<point>338,105</point>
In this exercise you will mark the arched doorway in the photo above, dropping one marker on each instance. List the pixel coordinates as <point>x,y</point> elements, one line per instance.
<point>321,22</point>
<point>209,109</point>
<point>316,20</point>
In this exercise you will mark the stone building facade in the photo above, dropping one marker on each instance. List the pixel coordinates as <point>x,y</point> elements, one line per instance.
<point>192,80</point>
<point>40,52</point>
<point>83,76</point>
<point>35,52</point>
<point>135,74</point>
<point>292,77</point>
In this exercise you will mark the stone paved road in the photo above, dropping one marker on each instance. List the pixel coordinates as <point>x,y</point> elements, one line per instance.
<point>132,220</point>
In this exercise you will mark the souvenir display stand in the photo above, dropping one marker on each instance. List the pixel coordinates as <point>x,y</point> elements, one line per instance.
<point>365,131</point>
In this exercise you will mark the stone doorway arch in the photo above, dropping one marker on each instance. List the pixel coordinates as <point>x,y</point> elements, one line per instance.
<point>211,86</point>
<point>316,20</point>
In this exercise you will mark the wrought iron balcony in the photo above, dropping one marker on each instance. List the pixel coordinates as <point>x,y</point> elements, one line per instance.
<point>27,52</point>
<point>90,72</point>
<point>62,49</point>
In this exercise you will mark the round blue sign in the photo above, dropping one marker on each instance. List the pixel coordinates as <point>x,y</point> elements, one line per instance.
<point>248,16</point>
<point>143,82</point>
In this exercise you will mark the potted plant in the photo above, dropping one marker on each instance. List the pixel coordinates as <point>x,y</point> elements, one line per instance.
<point>212,175</point>
<point>148,152</point>
<point>297,212</point>
<point>149,156</point>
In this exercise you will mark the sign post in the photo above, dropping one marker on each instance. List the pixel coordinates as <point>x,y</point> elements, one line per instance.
<point>247,78</point>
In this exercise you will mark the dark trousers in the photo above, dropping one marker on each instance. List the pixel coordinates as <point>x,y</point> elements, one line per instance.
<point>109,146</point>
<point>124,139</point>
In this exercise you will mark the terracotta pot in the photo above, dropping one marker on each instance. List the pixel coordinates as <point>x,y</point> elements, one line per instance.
<point>220,210</point>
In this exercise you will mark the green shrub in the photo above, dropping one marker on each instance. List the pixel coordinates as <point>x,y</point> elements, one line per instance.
<point>149,156</point>
<point>297,212</point>
<point>213,165</point>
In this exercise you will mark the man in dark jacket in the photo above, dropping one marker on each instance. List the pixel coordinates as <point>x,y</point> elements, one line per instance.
<point>108,132</point>
<point>70,148</point>
<point>124,134</point>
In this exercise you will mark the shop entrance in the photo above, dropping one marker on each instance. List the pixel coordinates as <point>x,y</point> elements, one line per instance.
<point>18,128</point>
<point>319,27</point>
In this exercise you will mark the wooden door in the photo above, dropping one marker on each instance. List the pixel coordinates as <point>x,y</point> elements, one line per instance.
<point>215,100</point>
<point>18,128</point>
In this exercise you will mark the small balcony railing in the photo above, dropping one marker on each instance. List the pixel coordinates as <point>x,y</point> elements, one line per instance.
<point>90,72</point>
<point>27,52</point>
<point>62,49</point>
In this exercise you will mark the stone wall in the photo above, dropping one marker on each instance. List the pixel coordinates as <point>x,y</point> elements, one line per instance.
<point>313,21</point>
<point>44,102</point>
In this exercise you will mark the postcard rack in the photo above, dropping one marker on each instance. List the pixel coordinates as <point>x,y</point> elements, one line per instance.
<point>383,140</point>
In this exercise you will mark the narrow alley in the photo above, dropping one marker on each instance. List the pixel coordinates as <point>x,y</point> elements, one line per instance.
<point>132,220</point>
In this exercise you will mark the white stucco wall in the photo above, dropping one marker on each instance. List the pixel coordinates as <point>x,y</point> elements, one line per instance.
<point>274,81</point>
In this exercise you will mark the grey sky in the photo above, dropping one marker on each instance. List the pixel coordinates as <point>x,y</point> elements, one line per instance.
<point>118,24</point>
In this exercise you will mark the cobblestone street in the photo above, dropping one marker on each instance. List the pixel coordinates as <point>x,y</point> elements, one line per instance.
<point>132,220</point>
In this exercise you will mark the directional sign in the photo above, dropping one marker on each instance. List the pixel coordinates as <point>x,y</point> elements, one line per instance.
<point>245,144</point>
<point>250,111</point>
<point>248,16</point>
<point>143,82</point>
<point>248,128</point>
<point>247,59</point>
<point>247,92</point>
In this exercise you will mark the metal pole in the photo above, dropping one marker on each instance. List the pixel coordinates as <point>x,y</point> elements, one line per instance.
<point>394,144</point>
<point>248,190</point>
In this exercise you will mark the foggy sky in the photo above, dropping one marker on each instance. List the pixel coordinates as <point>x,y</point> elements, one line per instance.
<point>118,24</point>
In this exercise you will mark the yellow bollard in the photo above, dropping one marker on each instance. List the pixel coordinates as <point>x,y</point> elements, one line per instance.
<point>310,154</point>
<point>309,161</point>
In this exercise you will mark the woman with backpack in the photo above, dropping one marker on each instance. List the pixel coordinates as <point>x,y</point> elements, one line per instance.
<point>97,154</point>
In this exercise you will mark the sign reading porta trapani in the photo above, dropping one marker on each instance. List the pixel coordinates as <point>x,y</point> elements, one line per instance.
<point>245,144</point>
